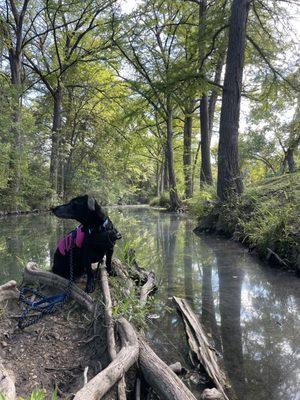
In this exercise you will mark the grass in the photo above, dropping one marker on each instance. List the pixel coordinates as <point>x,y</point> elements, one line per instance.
<point>161,201</point>
<point>265,216</point>
<point>37,394</point>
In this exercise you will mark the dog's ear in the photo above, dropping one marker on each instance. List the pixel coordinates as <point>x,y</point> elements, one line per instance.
<point>91,203</point>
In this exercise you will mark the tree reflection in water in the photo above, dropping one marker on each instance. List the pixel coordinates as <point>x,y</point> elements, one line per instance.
<point>250,310</point>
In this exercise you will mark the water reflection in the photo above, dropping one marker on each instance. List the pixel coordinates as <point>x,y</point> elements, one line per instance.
<point>251,312</point>
<point>230,288</point>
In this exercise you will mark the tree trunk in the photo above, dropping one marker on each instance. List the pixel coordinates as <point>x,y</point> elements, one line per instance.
<point>187,151</point>
<point>214,93</point>
<point>174,199</point>
<point>291,160</point>
<point>205,170</point>
<point>165,172</point>
<point>230,312</point>
<point>229,178</point>
<point>55,138</point>
<point>15,62</point>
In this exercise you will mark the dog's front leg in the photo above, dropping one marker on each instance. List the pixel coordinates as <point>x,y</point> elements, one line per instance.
<point>87,265</point>
<point>90,284</point>
<point>109,255</point>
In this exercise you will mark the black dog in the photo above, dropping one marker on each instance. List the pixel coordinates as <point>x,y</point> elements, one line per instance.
<point>88,244</point>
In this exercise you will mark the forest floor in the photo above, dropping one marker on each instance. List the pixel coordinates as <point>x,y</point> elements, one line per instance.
<point>265,218</point>
<point>54,352</point>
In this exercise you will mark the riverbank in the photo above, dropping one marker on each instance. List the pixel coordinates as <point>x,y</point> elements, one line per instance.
<point>265,218</point>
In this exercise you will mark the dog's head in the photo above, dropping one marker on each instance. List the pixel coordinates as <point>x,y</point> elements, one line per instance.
<point>113,233</point>
<point>84,209</point>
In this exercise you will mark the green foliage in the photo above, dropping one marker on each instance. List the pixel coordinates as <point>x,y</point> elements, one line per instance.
<point>265,216</point>
<point>162,201</point>
<point>128,306</point>
<point>202,201</point>
<point>37,394</point>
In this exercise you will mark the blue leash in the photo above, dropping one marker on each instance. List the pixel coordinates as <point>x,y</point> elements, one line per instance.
<point>46,304</point>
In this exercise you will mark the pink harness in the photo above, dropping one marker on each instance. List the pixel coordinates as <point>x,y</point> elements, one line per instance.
<point>65,243</point>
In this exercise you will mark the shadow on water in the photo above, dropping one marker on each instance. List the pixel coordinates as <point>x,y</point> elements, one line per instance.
<point>250,311</point>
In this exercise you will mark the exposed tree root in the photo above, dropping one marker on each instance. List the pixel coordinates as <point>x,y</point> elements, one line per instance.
<point>7,379</point>
<point>7,383</point>
<point>9,291</point>
<point>156,373</point>
<point>111,343</point>
<point>159,376</point>
<point>32,274</point>
<point>96,388</point>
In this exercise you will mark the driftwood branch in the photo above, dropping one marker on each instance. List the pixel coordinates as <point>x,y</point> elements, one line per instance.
<point>272,256</point>
<point>98,386</point>
<point>32,274</point>
<point>200,347</point>
<point>147,288</point>
<point>9,291</point>
<point>111,344</point>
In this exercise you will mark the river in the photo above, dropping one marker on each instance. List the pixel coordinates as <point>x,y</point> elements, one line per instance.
<point>249,310</point>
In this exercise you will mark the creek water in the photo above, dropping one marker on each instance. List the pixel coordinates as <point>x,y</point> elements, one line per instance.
<point>249,310</point>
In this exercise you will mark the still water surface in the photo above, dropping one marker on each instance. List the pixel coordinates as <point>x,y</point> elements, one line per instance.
<point>250,311</point>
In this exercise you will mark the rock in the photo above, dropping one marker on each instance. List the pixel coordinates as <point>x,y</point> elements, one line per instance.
<point>211,394</point>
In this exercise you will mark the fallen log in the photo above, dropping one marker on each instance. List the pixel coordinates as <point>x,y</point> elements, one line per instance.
<point>111,343</point>
<point>160,377</point>
<point>9,291</point>
<point>98,386</point>
<point>32,274</point>
<point>200,347</point>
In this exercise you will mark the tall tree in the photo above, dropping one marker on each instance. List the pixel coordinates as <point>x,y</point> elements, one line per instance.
<point>205,169</point>
<point>229,177</point>
<point>12,16</point>
<point>64,36</point>
<point>150,48</point>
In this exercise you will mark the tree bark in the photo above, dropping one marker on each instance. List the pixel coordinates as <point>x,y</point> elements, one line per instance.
<point>165,172</point>
<point>98,386</point>
<point>187,151</point>
<point>214,93</point>
<point>159,376</point>
<point>205,171</point>
<point>15,55</point>
<point>34,275</point>
<point>229,177</point>
<point>55,138</point>
<point>9,291</point>
<point>205,168</point>
<point>200,349</point>
<point>291,160</point>
<point>174,198</point>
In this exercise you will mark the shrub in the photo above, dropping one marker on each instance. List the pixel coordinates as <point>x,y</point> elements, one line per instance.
<point>162,201</point>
